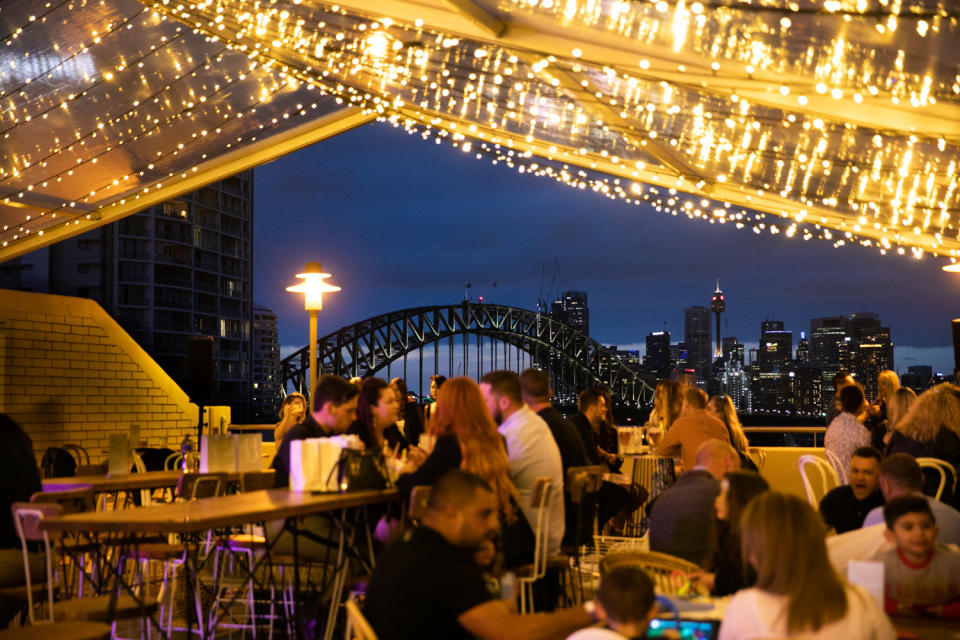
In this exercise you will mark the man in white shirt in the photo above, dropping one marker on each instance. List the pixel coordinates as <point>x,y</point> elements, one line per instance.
<point>900,475</point>
<point>531,450</point>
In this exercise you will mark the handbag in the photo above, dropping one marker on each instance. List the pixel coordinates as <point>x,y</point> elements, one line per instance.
<point>361,470</point>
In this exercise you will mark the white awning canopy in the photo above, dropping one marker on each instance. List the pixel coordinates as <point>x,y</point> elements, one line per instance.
<point>837,119</point>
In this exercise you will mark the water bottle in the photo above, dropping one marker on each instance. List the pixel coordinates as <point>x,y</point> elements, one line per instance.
<point>508,586</point>
<point>186,452</point>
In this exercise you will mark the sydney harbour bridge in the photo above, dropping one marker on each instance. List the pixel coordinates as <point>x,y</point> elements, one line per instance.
<point>468,339</point>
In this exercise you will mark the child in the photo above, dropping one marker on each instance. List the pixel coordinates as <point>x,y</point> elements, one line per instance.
<point>624,603</point>
<point>920,576</point>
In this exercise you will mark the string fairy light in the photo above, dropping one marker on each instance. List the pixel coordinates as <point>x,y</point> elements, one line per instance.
<point>750,118</point>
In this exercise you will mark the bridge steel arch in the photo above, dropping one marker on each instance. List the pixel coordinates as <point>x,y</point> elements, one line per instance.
<point>367,346</point>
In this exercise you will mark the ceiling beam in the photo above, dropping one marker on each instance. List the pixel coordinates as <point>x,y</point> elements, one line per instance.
<point>480,17</point>
<point>250,156</point>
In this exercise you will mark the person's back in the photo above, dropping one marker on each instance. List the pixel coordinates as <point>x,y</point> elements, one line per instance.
<point>691,429</point>
<point>681,519</point>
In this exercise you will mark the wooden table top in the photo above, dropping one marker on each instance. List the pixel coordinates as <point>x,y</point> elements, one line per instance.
<point>125,481</point>
<point>210,513</point>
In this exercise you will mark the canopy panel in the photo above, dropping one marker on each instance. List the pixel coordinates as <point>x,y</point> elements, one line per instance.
<point>837,119</point>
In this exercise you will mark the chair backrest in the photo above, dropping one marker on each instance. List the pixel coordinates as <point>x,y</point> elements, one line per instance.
<point>539,500</point>
<point>200,485</point>
<point>667,572</point>
<point>71,500</point>
<point>257,481</point>
<point>26,520</point>
<point>943,468</point>
<point>825,474</point>
<point>419,497</point>
<point>358,623</point>
<point>173,461</point>
<point>79,453</point>
<point>838,467</point>
<point>57,462</point>
<point>583,481</point>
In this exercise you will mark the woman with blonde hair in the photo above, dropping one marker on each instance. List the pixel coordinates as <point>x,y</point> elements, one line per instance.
<point>293,411</point>
<point>897,404</point>
<point>931,429</point>
<point>667,404</point>
<point>797,592</point>
<point>467,438</point>
<point>721,407</point>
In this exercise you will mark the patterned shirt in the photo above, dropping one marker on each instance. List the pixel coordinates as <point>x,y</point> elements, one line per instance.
<point>844,436</point>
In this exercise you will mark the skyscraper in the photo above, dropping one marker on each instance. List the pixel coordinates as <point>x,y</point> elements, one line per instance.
<point>871,349</point>
<point>571,309</point>
<point>773,368</point>
<point>696,337</point>
<point>657,358</point>
<point>717,305</point>
<point>266,394</point>
<point>178,269</point>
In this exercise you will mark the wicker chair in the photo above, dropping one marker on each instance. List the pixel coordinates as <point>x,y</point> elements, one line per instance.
<point>667,572</point>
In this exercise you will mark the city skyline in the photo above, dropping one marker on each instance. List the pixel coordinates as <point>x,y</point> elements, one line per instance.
<point>402,223</point>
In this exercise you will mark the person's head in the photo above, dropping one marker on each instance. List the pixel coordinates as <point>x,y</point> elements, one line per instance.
<point>463,509</point>
<point>737,489</point>
<point>887,383</point>
<point>334,403</point>
<point>851,399</point>
<point>436,381</point>
<point>626,600</point>
<point>462,411</point>
<point>377,408</point>
<point>900,475</point>
<point>864,471</point>
<point>668,401</point>
<point>399,387</point>
<point>911,526</point>
<point>503,393</point>
<point>717,457</point>
<point>607,395</point>
<point>694,398</point>
<point>535,387</point>
<point>294,407</point>
<point>593,405</point>
<point>898,403</point>
<point>782,538</point>
<point>935,408</point>
<point>841,380</point>
<point>721,407</point>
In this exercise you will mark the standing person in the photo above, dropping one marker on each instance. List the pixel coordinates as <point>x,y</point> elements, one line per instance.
<point>293,411</point>
<point>846,433</point>
<point>428,586</point>
<point>410,412</point>
<point>841,380</point>
<point>797,594</point>
<point>897,406</point>
<point>531,449</point>
<point>436,381</point>
<point>377,411</point>
<point>931,429</point>
<point>845,507</point>
<point>691,429</point>
<point>876,421</point>
<point>721,407</point>
<point>334,410</point>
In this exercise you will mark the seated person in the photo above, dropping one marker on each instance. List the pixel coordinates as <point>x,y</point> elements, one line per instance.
<point>292,412</point>
<point>428,585</point>
<point>844,508</point>
<point>682,519</point>
<point>846,433</point>
<point>625,604</point>
<point>900,475</point>
<point>334,409</point>
<point>920,576</point>
<point>691,429</point>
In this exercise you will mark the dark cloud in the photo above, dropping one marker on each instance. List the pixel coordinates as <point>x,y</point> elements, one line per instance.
<point>401,222</point>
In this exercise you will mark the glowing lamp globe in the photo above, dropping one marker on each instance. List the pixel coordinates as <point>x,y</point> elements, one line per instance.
<point>313,286</point>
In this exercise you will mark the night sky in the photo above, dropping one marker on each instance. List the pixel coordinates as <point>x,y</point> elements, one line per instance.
<point>400,222</point>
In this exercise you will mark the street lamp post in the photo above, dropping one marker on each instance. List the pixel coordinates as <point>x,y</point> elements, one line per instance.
<point>313,287</point>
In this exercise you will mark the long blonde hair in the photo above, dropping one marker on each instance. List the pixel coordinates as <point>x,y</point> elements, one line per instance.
<point>461,410</point>
<point>728,414</point>
<point>887,384</point>
<point>898,403</point>
<point>934,408</point>
<point>667,403</point>
<point>783,538</point>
